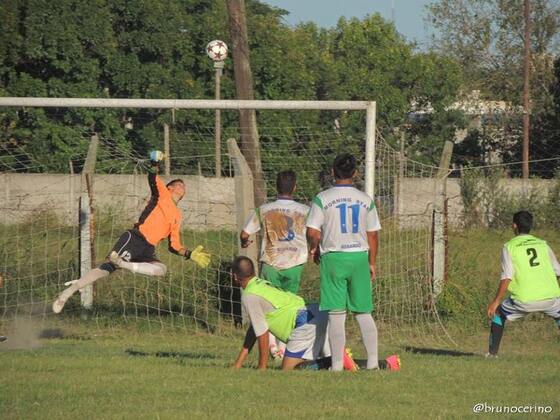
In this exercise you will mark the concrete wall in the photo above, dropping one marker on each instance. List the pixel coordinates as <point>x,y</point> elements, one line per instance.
<point>415,203</point>
<point>209,203</point>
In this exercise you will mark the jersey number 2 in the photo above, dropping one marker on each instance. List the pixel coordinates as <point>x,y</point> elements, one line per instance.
<point>532,253</point>
<point>355,217</point>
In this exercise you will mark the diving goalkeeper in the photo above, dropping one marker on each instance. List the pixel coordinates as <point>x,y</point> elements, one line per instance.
<point>135,249</point>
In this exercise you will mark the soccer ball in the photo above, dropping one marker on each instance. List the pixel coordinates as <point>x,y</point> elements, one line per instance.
<point>217,50</point>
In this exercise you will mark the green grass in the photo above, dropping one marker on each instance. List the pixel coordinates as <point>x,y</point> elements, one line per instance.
<point>89,375</point>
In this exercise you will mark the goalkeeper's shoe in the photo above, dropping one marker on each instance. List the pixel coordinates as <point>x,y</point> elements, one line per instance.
<point>393,362</point>
<point>200,256</point>
<point>59,303</point>
<point>348,362</point>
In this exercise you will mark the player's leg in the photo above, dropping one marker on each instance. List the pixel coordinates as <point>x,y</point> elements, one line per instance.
<point>508,310</point>
<point>290,278</point>
<point>333,273</point>
<point>552,309</point>
<point>137,255</point>
<point>360,301</point>
<point>89,278</point>
<point>153,268</point>
<point>307,340</point>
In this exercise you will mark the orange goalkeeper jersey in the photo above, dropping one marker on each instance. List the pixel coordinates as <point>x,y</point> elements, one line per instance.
<point>161,218</point>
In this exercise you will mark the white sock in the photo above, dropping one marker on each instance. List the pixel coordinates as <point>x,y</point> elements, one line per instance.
<point>369,337</point>
<point>149,269</point>
<point>337,338</point>
<point>89,278</point>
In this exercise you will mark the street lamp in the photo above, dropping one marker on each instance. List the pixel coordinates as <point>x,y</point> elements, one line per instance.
<point>217,50</point>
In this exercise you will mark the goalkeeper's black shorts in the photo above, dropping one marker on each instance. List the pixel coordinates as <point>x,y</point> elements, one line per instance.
<point>132,247</point>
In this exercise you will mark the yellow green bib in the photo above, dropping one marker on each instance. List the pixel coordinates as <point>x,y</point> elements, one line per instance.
<point>282,319</point>
<point>534,277</point>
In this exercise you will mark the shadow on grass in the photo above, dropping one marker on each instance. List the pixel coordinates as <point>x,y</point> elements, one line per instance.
<point>438,352</point>
<point>172,354</point>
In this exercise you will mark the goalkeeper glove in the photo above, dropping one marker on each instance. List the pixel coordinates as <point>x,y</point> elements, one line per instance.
<point>199,256</point>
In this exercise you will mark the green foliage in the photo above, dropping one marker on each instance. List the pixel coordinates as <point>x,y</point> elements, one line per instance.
<point>488,200</point>
<point>154,49</point>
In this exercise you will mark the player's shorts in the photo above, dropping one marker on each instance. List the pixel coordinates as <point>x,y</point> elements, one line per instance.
<point>513,309</point>
<point>132,247</point>
<point>309,338</point>
<point>288,279</point>
<point>346,282</point>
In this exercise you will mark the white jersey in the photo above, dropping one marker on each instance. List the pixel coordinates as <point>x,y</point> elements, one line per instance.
<point>343,214</point>
<point>284,244</point>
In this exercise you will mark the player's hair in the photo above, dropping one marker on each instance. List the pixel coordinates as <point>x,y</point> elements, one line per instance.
<point>286,182</point>
<point>242,267</point>
<point>175,182</point>
<point>524,221</point>
<point>344,166</point>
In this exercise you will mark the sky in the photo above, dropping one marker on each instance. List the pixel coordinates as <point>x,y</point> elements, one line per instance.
<point>409,14</point>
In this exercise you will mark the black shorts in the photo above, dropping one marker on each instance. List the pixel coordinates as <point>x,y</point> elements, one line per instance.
<point>133,247</point>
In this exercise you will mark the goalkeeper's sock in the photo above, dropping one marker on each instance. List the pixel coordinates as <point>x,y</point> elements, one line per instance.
<point>496,332</point>
<point>369,337</point>
<point>337,338</point>
<point>89,278</point>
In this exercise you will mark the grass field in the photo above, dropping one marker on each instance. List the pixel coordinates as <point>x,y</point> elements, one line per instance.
<point>89,374</point>
<point>86,372</point>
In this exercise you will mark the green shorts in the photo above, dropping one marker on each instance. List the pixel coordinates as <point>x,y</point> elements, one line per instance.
<point>288,279</point>
<point>346,282</point>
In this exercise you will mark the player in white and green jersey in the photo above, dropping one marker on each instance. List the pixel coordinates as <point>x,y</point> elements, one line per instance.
<point>284,246</point>
<point>342,226</point>
<point>530,273</point>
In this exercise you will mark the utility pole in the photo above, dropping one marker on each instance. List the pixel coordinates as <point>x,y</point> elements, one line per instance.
<point>526,93</point>
<point>249,146</point>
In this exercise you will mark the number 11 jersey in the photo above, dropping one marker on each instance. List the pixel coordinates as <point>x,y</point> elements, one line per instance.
<point>344,215</point>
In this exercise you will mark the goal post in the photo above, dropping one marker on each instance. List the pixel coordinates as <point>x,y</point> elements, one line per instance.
<point>223,104</point>
<point>306,139</point>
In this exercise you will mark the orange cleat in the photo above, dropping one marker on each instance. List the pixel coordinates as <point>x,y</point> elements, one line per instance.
<point>393,362</point>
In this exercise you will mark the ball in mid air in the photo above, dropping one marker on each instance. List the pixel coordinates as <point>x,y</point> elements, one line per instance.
<point>217,50</point>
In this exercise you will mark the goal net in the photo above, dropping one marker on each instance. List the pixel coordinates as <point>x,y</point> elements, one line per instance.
<point>43,156</point>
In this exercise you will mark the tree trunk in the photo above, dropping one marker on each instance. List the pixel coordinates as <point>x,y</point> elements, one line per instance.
<point>249,142</point>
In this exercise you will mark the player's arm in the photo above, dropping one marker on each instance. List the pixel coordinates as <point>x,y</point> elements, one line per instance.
<point>315,221</point>
<point>313,241</point>
<point>257,316</point>
<point>252,226</point>
<point>507,274</point>
<point>373,226</point>
<point>248,343</point>
<point>198,255</point>
<point>373,242</point>
<point>554,262</point>
<point>157,186</point>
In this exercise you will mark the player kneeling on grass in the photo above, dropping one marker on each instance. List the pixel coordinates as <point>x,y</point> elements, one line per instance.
<point>302,327</point>
<point>135,249</point>
<point>284,246</point>
<point>530,272</point>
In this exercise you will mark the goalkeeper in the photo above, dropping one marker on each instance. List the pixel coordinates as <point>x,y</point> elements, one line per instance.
<point>530,273</point>
<point>135,249</point>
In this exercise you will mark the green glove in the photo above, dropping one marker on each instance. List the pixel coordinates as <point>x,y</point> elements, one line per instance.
<point>200,256</point>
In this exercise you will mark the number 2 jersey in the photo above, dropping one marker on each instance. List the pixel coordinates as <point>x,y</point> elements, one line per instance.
<point>532,268</point>
<point>284,244</point>
<point>344,215</point>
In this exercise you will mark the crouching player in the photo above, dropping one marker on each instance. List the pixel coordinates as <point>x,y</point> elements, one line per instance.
<point>135,249</point>
<point>530,272</point>
<point>302,327</point>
